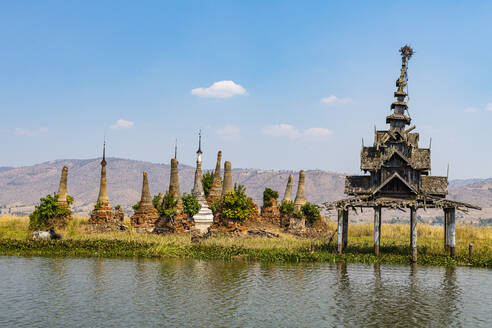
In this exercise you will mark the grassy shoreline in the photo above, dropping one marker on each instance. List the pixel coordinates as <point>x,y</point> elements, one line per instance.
<point>394,245</point>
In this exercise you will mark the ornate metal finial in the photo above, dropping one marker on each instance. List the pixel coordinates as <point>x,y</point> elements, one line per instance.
<point>406,53</point>
<point>199,151</point>
<point>176,149</point>
<point>103,162</point>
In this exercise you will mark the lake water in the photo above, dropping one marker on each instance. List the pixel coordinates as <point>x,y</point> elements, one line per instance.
<point>64,292</point>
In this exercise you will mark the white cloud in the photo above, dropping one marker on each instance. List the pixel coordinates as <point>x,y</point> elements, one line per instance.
<point>318,133</point>
<point>30,132</point>
<point>281,130</point>
<point>290,131</point>
<point>229,132</point>
<point>221,89</point>
<point>470,110</point>
<point>489,107</point>
<point>332,100</point>
<point>122,124</point>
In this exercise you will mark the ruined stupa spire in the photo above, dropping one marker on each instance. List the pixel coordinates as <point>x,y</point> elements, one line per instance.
<point>227,187</point>
<point>143,220</point>
<point>288,189</point>
<point>300,197</point>
<point>103,190</point>
<point>198,187</point>
<point>146,198</point>
<point>174,183</point>
<point>176,149</point>
<point>62,188</point>
<point>216,189</point>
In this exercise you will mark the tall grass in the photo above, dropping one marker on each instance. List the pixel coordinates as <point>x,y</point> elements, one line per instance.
<point>15,239</point>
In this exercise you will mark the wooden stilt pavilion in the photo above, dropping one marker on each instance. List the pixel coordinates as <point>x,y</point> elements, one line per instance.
<point>399,177</point>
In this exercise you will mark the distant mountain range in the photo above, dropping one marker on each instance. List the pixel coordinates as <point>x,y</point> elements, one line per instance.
<point>21,188</point>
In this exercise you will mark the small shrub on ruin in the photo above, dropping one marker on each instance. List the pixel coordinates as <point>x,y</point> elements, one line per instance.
<point>236,205</point>
<point>47,210</point>
<point>190,204</point>
<point>207,180</point>
<point>98,205</point>
<point>286,207</point>
<point>215,207</point>
<point>137,205</point>
<point>311,212</point>
<point>117,207</point>
<point>168,206</point>
<point>268,195</point>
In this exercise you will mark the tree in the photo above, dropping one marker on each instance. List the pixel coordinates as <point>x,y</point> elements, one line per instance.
<point>47,212</point>
<point>168,206</point>
<point>207,181</point>
<point>311,212</point>
<point>268,195</point>
<point>236,205</point>
<point>190,204</point>
<point>286,207</point>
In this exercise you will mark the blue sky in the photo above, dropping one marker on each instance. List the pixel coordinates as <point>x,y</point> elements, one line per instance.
<point>304,81</point>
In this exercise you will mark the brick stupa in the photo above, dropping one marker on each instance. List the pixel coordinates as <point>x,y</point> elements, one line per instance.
<point>145,216</point>
<point>216,188</point>
<point>103,216</point>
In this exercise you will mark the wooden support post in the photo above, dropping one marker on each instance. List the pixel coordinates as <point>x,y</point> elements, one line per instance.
<point>446,229</point>
<point>470,251</point>
<point>413,238</point>
<point>340,232</point>
<point>452,232</point>
<point>377,229</point>
<point>345,227</point>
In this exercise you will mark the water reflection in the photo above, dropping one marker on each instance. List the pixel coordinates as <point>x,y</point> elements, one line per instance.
<point>189,293</point>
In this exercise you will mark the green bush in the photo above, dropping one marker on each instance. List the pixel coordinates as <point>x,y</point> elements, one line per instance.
<point>167,207</point>
<point>268,194</point>
<point>287,207</point>
<point>236,205</point>
<point>47,210</point>
<point>117,207</point>
<point>69,200</point>
<point>215,207</point>
<point>97,205</point>
<point>311,212</point>
<point>190,204</point>
<point>207,180</point>
<point>137,205</point>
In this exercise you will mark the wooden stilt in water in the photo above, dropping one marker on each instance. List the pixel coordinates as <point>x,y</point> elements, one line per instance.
<point>413,225</point>
<point>377,229</point>
<point>345,228</point>
<point>340,232</point>
<point>452,232</point>
<point>446,229</point>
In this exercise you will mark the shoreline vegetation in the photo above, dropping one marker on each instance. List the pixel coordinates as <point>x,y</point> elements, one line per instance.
<point>76,242</point>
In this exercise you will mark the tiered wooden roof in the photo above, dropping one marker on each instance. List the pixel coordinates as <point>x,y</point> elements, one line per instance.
<point>398,169</point>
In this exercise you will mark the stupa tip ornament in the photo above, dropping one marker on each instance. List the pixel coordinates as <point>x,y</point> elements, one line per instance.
<point>406,52</point>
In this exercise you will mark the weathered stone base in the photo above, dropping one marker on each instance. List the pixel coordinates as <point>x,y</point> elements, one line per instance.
<point>296,225</point>
<point>105,220</point>
<point>179,223</point>
<point>144,219</point>
<point>271,214</point>
<point>215,192</point>
<point>59,222</point>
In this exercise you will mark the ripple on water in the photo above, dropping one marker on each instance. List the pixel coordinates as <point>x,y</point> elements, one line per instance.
<point>50,292</point>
